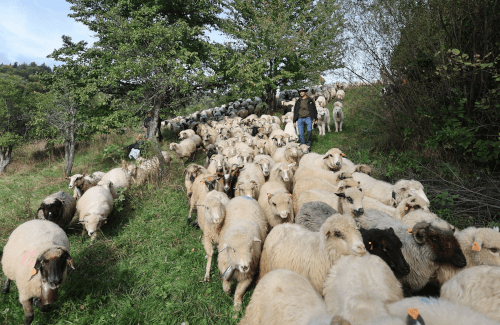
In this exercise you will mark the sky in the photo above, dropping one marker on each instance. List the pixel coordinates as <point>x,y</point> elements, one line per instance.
<point>32,29</point>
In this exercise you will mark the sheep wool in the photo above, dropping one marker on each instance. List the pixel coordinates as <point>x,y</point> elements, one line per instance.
<point>359,288</point>
<point>311,254</point>
<point>476,287</point>
<point>285,297</point>
<point>59,208</point>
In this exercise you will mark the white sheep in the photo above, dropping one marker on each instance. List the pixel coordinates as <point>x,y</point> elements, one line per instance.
<point>94,207</point>
<point>35,256</point>
<point>276,202</point>
<point>405,188</point>
<point>289,154</point>
<point>290,129</point>
<point>250,180</point>
<point>186,148</point>
<point>438,312</point>
<point>411,210</point>
<point>284,297</point>
<point>332,178</point>
<point>283,173</point>
<point>323,120</point>
<point>241,238</point>
<point>119,178</point>
<point>186,134</point>
<point>190,173</point>
<point>333,160</point>
<point>321,101</point>
<point>478,288</point>
<point>349,202</point>
<point>202,184</point>
<point>481,246</point>
<point>265,162</point>
<point>340,95</point>
<point>59,208</point>
<point>211,217</point>
<point>308,253</point>
<point>338,117</point>
<point>359,288</point>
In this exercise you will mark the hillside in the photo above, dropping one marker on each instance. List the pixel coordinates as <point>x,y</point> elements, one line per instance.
<point>147,266</point>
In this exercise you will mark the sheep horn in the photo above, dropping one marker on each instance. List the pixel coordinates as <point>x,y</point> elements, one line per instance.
<point>419,231</point>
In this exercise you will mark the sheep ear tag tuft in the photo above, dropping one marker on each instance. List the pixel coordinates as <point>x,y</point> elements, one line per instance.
<point>33,273</point>
<point>476,247</point>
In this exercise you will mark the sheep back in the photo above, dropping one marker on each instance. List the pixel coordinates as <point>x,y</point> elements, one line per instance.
<point>119,177</point>
<point>313,214</point>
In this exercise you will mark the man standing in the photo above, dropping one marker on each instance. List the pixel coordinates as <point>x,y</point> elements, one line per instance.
<point>305,113</point>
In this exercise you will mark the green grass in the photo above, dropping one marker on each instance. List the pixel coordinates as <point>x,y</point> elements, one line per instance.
<point>148,269</point>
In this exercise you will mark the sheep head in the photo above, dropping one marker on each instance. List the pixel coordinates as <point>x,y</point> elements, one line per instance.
<point>439,235</point>
<point>173,146</point>
<point>351,202</point>
<point>51,265</point>
<point>483,245</point>
<point>406,188</point>
<point>211,183</point>
<point>75,180</point>
<point>52,210</point>
<point>304,148</point>
<point>281,205</point>
<point>340,235</point>
<point>347,183</point>
<point>92,223</point>
<point>362,168</point>
<point>264,165</point>
<point>241,248</point>
<point>192,171</point>
<point>387,245</point>
<point>333,159</point>
<point>285,171</point>
<point>248,188</point>
<point>293,151</point>
<point>410,204</point>
<point>215,211</point>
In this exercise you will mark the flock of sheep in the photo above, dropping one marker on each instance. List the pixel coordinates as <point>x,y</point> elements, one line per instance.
<point>326,242</point>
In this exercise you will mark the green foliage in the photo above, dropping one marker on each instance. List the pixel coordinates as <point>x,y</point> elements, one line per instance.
<point>280,44</point>
<point>119,202</point>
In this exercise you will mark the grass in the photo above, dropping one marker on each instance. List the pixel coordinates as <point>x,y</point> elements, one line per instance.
<point>147,266</point>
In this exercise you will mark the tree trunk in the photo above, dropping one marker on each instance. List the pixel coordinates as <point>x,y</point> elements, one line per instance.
<point>69,148</point>
<point>5,155</point>
<point>271,98</point>
<point>153,127</point>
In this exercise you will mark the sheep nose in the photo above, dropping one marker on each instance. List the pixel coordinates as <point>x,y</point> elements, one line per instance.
<point>337,163</point>
<point>244,268</point>
<point>284,214</point>
<point>359,212</point>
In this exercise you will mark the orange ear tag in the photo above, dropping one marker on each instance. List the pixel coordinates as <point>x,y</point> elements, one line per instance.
<point>476,247</point>
<point>413,312</point>
<point>209,179</point>
<point>33,272</point>
<point>410,230</point>
<point>406,208</point>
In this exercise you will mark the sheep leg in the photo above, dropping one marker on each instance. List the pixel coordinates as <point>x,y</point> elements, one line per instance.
<point>341,125</point>
<point>6,286</point>
<point>239,292</point>
<point>336,126</point>
<point>328,125</point>
<point>226,286</point>
<point>189,215</point>
<point>28,312</point>
<point>207,243</point>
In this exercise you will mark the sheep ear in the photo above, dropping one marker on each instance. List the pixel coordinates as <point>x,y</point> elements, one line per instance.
<point>341,194</point>
<point>360,189</point>
<point>393,195</point>
<point>328,233</point>
<point>391,230</point>
<point>291,165</point>
<point>36,268</point>
<point>326,157</point>
<point>257,240</point>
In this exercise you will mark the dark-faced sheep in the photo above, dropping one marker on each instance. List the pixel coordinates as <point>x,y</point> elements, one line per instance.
<point>59,208</point>
<point>36,257</point>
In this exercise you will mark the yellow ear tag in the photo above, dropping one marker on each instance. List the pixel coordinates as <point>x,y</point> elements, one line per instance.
<point>476,247</point>
<point>406,208</point>
<point>209,179</point>
<point>33,272</point>
<point>410,230</point>
<point>413,312</point>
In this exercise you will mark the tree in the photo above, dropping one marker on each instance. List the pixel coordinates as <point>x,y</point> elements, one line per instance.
<point>14,116</point>
<point>148,52</point>
<point>281,43</point>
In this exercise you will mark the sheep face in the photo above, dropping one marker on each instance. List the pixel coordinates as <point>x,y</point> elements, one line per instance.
<point>347,183</point>
<point>413,203</point>
<point>215,212</point>
<point>92,223</point>
<point>341,234</point>
<point>405,188</point>
<point>352,201</point>
<point>77,178</point>
<point>211,183</point>
<point>51,211</point>
<point>292,150</point>
<point>387,245</point>
<point>240,249</point>
<point>191,172</point>
<point>172,146</point>
<point>285,172</point>
<point>247,156</point>
<point>278,138</point>
<point>264,165</point>
<point>51,265</point>
<point>247,188</point>
<point>218,161</point>
<point>304,148</point>
<point>281,205</point>
<point>487,250</point>
<point>261,144</point>
<point>337,112</point>
<point>439,235</point>
<point>333,159</point>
